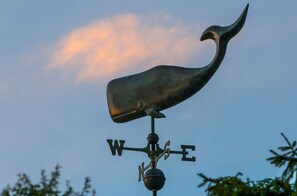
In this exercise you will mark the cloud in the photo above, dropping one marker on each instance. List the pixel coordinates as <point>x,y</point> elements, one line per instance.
<point>123,44</point>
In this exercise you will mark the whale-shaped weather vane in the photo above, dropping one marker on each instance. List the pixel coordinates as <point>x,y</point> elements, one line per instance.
<point>164,86</point>
<point>159,88</point>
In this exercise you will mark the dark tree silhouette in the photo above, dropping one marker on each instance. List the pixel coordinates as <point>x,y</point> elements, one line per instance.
<point>48,186</point>
<point>285,185</point>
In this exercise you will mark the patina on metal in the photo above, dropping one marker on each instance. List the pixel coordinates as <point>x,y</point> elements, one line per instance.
<point>159,88</point>
<point>164,86</point>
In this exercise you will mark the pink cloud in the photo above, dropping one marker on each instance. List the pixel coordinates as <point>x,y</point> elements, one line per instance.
<point>123,44</point>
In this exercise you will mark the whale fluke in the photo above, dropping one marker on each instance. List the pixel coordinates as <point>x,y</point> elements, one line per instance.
<point>164,86</point>
<point>227,32</point>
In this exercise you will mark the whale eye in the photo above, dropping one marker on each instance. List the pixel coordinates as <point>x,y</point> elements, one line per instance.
<point>140,105</point>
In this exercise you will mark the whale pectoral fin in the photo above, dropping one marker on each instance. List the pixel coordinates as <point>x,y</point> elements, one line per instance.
<point>153,113</point>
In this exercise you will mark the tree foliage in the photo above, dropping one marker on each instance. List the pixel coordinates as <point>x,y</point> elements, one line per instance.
<point>288,158</point>
<point>284,185</point>
<point>48,186</point>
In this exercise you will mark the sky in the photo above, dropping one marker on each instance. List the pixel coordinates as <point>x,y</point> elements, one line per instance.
<point>56,58</point>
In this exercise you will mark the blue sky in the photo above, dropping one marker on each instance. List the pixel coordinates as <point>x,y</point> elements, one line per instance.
<point>56,59</point>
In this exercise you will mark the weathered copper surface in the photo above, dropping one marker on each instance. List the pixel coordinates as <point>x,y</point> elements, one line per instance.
<point>164,86</point>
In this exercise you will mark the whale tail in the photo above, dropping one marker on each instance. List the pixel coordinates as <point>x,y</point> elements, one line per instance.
<point>226,33</point>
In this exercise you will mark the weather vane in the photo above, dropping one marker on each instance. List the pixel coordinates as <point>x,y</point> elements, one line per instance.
<point>159,88</point>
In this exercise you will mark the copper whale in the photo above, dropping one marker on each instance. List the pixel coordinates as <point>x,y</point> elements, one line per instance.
<point>164,86</point>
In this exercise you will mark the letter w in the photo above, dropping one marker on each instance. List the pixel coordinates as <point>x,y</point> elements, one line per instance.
<point>116,147</point>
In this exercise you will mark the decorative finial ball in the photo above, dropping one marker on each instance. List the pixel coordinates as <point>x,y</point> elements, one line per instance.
<point>154,179</point>
<point>152,138</point>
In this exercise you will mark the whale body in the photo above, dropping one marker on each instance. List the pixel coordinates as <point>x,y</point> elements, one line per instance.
<point>164,86</point>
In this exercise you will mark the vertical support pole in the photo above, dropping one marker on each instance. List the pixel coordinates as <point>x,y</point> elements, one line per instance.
<point>152,124</point>
<point>153,147</point>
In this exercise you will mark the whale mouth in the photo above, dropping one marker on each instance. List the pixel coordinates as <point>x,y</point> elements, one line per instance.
<point>125,116</point>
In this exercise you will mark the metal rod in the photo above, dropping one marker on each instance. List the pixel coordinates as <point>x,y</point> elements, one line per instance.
<point>152,124</point>
<point>153,146</point>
